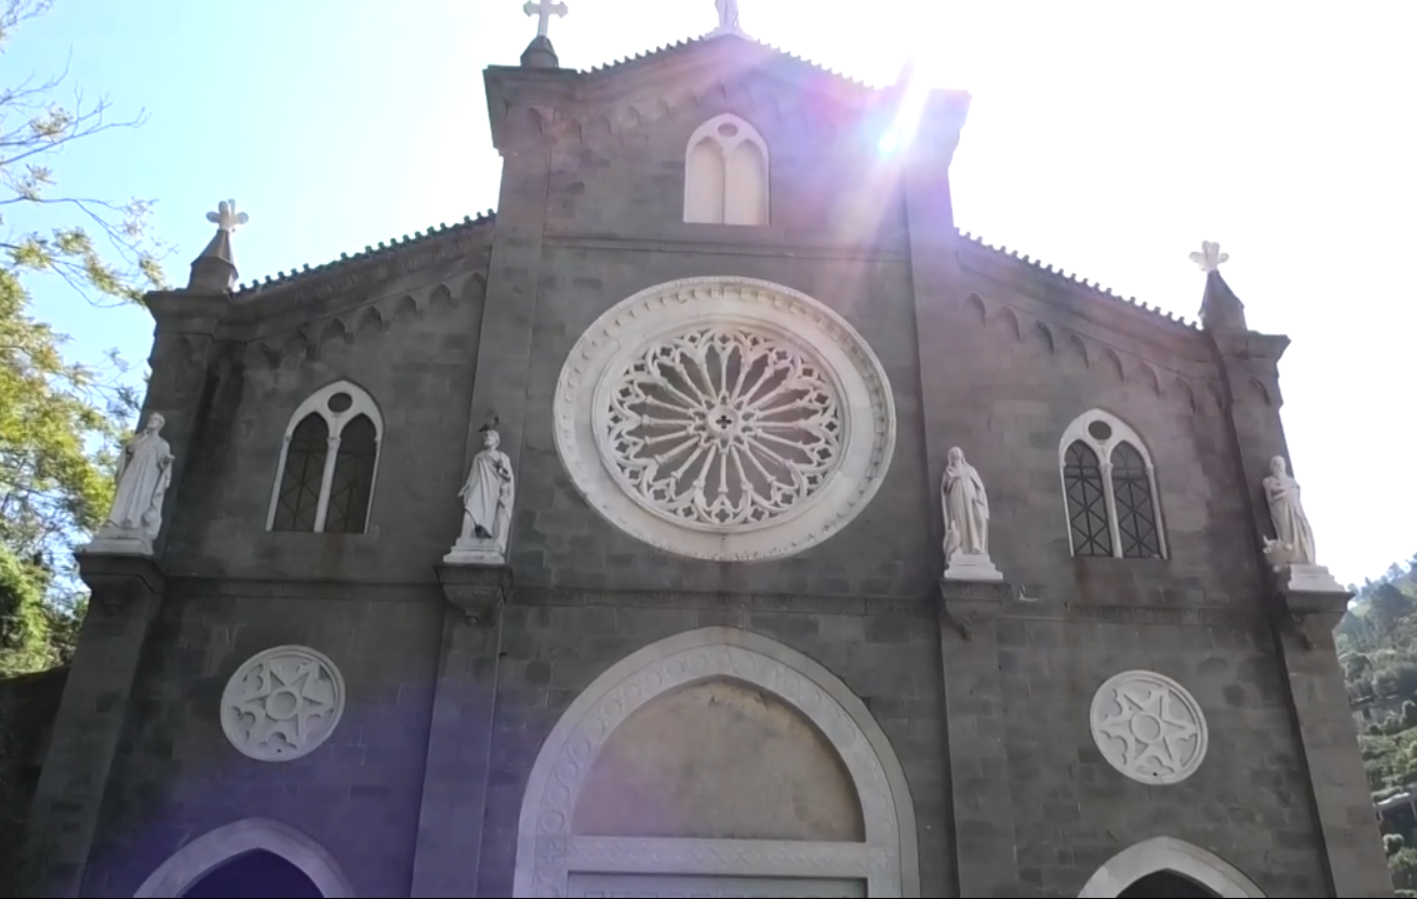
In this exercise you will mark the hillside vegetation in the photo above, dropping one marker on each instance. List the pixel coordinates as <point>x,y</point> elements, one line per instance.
<point>1377,647</point>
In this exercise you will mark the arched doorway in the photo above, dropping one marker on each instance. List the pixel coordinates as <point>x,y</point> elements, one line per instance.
<point>246,854</point>
<point>1169,868</point>
<point>255,875</point>
<point>1166,885</point>
<point>796,793</point>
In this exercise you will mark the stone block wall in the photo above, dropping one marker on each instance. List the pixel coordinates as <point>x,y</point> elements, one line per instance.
<point>1073,811</point>
<point>417,364</point>
<point>556,642</point>
<point>177,777</point>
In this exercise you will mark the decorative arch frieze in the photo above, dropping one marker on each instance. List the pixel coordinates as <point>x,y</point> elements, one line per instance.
<point>201,856</point>
<point>1168,854</point>
<point>307,341</point>
<point>1125,367</point>
<point>549,851</point>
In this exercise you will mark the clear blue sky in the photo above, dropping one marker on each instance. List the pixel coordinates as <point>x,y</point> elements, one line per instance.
<point>1107,138</point>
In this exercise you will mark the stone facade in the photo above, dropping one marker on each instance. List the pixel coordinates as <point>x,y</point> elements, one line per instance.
<point>958,712</point>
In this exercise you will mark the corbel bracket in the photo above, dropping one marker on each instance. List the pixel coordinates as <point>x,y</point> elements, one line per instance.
<point>966,606</point>
<point>478,591</point>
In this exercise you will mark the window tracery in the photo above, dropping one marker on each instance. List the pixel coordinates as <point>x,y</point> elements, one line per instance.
<point>1109,487</point>
<point>328,462</point>
<point>726,174</point>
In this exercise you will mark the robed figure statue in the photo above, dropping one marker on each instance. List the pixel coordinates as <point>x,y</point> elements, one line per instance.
<point>144,473</point>
<point>1291,526</point>
<point>966,506</point>
<point>488,495</point>
<point>727,14</point>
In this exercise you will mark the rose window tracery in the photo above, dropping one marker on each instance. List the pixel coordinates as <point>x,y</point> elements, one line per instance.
<point>723,427</point>
<point>725,418</point>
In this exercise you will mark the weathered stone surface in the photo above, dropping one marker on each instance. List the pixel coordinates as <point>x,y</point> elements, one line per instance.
<point>982,697</point>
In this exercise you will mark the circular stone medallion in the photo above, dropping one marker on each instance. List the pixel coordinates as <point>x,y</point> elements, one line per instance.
<point>725,419</point>
<point>1148,727</point>
<point>282,703</point>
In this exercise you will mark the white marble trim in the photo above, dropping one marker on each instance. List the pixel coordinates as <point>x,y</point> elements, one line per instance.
<point>547,851</point>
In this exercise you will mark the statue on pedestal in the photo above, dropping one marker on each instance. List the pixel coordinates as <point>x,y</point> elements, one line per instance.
<point>966,509</point>
<point>488,495</point>
<point>1291,550</point>
<point>144,473</point>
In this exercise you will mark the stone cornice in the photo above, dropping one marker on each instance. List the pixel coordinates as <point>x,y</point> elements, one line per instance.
<point>350,274</point>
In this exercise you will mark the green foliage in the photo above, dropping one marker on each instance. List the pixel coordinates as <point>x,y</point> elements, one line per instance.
<point>1377,644</point>
<point>1403,864</point>
<point>60,422</point>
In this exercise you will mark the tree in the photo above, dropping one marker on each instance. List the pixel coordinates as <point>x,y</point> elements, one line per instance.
<point>60,422</point>
<point>1389,604</point>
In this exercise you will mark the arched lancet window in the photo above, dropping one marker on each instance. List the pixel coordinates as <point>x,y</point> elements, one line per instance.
<point>1109,486</point>
<point>325,479</point>
<point>726,174</point>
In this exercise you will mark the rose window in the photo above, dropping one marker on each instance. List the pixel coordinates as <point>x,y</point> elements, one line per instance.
<point>722,427</point>
<point>724,418</point>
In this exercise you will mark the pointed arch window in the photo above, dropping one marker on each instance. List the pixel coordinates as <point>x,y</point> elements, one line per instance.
<point>328,463</point>
<point>1109,486</point>
<point>726,174</point>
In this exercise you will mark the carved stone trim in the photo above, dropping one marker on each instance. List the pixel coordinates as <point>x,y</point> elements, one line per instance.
<point>548,851</point>
<point>1149,727</point>
<point>1168,854</point>
<point>282,703</point>
<point>604,351</point>
<point>742,858</point>
<point>478,592</point>
<point>193,861</point>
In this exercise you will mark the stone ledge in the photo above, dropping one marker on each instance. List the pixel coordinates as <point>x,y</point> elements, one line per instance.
<point>477,591</point>
<point>119,580</point>
<point>1310,614</point>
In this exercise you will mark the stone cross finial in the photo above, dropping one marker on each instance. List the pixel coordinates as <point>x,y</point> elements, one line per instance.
<point>544,10</point>
<point>226,218</point>
<point>1210,257</point>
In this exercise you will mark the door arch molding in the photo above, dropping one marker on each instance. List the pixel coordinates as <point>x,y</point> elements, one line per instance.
<point>548,851</point>
<point>1169,854</point>
<point>200,857</point>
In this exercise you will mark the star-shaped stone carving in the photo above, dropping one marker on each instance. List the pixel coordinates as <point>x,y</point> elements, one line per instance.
<point>283,705</point>
<point>1148,728</point>
<point>1210,257</point>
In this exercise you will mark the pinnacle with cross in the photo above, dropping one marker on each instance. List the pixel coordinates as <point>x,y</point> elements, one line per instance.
<point>544,10</point>
<point>1210,257</point>
<point>214,269</point>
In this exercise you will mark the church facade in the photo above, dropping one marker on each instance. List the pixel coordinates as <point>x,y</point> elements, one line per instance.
<point>614,545</point>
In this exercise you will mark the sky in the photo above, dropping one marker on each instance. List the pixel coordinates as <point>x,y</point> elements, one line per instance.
<point>1108,139</point>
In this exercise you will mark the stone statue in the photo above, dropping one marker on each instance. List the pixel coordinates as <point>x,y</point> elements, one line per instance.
<point>966,507</point>
<point>1291,552</point>
<point>488,495</point>
<point>727,14</point>
<point>1291,526</point>
<point>144,473</point>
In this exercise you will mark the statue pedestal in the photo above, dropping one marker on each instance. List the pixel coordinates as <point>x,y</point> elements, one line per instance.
<point>116,541</point>
<point>475,551</point>
<point>1308,579</point>
<point>972,567</point>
